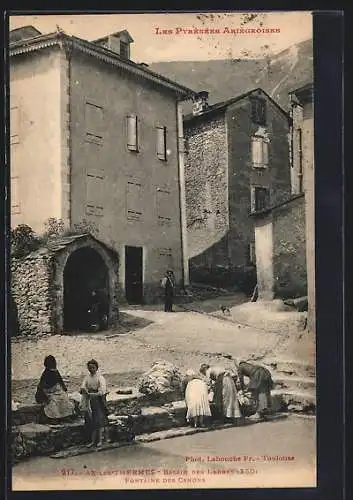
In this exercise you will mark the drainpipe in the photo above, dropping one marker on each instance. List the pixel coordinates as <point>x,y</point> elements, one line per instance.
<point>291,143</point>
<point>184,245</point>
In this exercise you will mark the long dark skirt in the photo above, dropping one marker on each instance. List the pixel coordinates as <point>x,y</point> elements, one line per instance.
<point>263,400</point>
<point>98,416</point>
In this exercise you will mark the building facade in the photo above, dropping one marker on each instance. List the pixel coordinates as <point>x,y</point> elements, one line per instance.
<point>96,137</point>
<point>303,177</point>
<point>280,250</point>
<point>237,162</point>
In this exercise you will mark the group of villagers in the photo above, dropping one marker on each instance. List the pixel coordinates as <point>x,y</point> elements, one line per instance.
<point>216,393</point>
<point>57,406</point>
<point>213,393</point>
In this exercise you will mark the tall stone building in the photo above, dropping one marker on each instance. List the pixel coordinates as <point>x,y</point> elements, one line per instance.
<point>236,163</point>
<point>97,137</point>
<point>303,177</point>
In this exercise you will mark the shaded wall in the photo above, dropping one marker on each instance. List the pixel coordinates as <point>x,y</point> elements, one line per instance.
<point>281,251</point>
<point>242,175</point>
<point>105,172</point>
<point>38,155</point>
<point>206,179</point>
<point>32,289</point>
<point>289,258</point>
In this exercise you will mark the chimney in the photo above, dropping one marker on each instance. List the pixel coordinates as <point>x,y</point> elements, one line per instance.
<point>200,103</point>
<point>118,42</point>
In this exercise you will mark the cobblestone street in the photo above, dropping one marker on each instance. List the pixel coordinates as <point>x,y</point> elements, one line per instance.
<point>184,338</point>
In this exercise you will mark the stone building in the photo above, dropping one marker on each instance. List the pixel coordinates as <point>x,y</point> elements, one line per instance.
<point>236,162</point>
<point>280,250</point>
<point>50,284</point>
<point>303,177</point>
<point>97,137</point>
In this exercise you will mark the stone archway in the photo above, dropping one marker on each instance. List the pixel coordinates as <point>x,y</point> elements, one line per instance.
<point>81,265</point>
<point>85,271</point>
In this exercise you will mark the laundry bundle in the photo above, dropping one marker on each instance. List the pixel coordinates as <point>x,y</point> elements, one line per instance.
<point>247,402</point>
<point>163,377</point>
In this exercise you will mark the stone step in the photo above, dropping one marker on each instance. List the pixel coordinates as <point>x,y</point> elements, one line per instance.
<point>290,367</point>
<point>293,382</point>
<point>187,431</point>
<point>38,439</point>
<point>294,401</point>
<point>84,450</point>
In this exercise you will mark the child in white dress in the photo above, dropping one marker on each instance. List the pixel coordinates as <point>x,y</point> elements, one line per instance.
<point>94,390</point>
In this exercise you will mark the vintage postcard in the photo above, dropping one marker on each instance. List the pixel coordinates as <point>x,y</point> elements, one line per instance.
<point>162,251</point>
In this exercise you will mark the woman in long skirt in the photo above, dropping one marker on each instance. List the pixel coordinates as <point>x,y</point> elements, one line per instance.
<point>52,394</point>
<point>225,392</point>
<point>260,386</point>
<point>196,399</point>
<point>94,390</point>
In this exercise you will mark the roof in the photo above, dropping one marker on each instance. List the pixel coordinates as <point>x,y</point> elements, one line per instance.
<point>23,33</point>
<point>307,86</point>
<point>117,33</point>
<point>56,244</point>
<point>303,94</point>
<point>62,40</point>
<point>223,105</point>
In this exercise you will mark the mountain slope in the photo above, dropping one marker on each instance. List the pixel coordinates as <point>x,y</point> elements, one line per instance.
<point>225,79</point>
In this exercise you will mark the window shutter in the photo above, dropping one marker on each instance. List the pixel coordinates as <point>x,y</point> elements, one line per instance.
<point>258,111</point>
<point>161,143</point>
<point>132,133</point>
<point>163,205</point>
<point>95,194</point>
<point>94,123</point>
<point>14,125</point>
<point>133,200</point>
<point>15,195</point>
<point>264,153</point>
<point>257,151</point>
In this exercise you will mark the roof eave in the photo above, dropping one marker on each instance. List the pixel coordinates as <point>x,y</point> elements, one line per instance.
<point>101,53</point>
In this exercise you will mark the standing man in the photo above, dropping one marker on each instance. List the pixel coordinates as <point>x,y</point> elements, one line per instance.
<point>168,283</point>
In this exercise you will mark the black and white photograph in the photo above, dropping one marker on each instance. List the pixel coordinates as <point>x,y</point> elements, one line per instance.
<point>162,290</point>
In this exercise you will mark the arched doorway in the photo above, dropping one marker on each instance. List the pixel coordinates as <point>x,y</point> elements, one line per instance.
<point>85,271</point>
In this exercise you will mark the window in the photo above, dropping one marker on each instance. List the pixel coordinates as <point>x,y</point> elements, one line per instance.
<point>260,198</point>
<point>162,143</point>
<point>259,152</point>
<point>251,253</point>
<point>132,136</point>
<point>95,194</point>
<point>165,252</point>
<point>166,256</point>
<point>258,111</point>
<point>133,201</point>
<point>164,208</point>
<point>94,123</point>
<point>300,159</point>
<point>124,50</point>
<point>15,196</point>
<point>14,125</point>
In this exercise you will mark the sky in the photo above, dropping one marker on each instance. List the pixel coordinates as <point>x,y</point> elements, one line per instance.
<point>149,46</point>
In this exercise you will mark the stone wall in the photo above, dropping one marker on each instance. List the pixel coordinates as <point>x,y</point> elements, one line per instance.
<point>37,283</point>
<point>289,249</point>
<point>206,178</point>
<point>31,282</point>
<point>243,176</point>
<point>219,179</point>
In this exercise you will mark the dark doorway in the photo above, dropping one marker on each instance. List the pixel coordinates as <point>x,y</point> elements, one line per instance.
<point>133,275</point>
<point>85,271</point>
